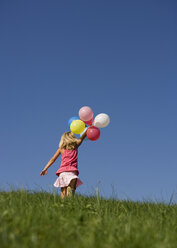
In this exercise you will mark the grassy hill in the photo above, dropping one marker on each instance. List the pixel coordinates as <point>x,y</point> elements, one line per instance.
<point>39,219</point>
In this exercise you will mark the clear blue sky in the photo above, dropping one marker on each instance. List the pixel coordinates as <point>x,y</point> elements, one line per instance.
<point>119,58</point>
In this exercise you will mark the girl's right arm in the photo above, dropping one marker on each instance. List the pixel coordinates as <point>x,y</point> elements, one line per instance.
<point>79,141</point>
<point>51,161</point>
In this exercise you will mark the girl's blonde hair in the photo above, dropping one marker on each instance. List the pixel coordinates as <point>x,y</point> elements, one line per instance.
<point>68,141</point>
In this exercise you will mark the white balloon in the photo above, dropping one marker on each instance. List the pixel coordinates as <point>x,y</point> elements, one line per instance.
<point>101,120</point>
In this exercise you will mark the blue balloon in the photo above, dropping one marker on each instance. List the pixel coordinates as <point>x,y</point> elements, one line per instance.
<point>72,119</point>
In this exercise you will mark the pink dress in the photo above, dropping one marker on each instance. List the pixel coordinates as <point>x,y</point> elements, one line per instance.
<point>68,169</point>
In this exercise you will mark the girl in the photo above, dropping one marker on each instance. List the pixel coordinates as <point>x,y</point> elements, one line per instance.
<point>68,179</point>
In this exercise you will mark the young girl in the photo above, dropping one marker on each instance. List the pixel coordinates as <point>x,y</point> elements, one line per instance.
<point>68,179</point>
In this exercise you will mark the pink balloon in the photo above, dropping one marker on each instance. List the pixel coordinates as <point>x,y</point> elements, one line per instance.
<point>93,133</point>
<point>89,122</point>
<point>85,113</point>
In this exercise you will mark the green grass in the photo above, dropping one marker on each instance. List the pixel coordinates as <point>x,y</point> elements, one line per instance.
<point>40,219</point>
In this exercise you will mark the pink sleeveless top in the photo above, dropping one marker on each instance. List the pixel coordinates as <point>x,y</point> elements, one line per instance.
<point>68,161</point>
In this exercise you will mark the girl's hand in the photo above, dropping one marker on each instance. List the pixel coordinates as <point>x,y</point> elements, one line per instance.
<point>43,172</point>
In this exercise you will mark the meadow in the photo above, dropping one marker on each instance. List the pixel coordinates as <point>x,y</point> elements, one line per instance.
<point>41,219</point>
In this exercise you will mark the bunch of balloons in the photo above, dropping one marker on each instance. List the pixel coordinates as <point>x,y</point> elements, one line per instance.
<point>77,125</point>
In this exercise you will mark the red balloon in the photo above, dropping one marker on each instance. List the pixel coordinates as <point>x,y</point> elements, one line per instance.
<point>93,133</point>
<point>89,122</point>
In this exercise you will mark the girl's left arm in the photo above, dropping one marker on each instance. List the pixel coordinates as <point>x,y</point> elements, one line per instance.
<point>79,141</point>
<point>51,161</point>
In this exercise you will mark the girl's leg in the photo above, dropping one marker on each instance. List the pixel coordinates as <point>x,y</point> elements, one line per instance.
<point>73,183</point>
<point>72,187</point>
<point>63,192</point>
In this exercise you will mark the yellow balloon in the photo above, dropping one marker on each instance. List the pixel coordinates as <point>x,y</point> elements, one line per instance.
<point>77,126</point>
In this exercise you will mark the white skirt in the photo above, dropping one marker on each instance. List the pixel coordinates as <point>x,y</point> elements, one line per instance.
<point>65,178</point>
